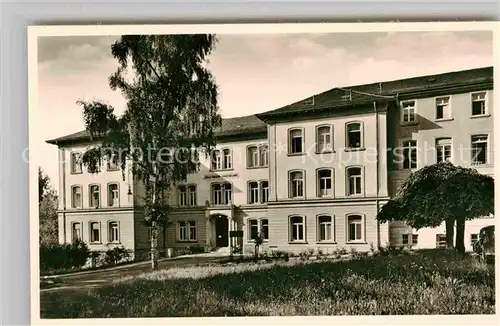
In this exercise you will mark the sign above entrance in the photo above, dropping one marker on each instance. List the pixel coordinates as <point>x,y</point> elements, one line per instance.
<point>236,234</point>
<point>221,175</point>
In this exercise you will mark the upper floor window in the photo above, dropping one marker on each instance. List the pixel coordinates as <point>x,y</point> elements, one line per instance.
<point>187,230</point>
<point>408,111</point>
<point>76,162</point>
<point>263,155</point>
<point>354,180</point>
<point>76,196</point>
<point>76,231</point>
<point>264,186</point>
<point>410,154</point>
<point>228,159</point>
<point>95,232</point>
<point>479,149</point>
<point>222,193</point>
<point>443,150</point>
<point>296,181</point>
<point>324,139</point>
<point>257,156</point>
<point>112,163</point>
<point>113,195</point>
<point>216,160</point>
<point>253,191</point>
<point>182,196</point>
<point>355,228</point>
<point>443,108</point>
<point>325,184</point>
<point>354,135</point>
<point>192,195</point>
<point>297,228</point>
<point>95,196</point>
<point>296,141</point>
<point>479,103</point>
<point>325,228</point>
<point>114,232</point>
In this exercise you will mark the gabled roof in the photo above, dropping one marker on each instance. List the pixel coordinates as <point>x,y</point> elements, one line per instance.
<point>360,94</point>
<point>230,127</point>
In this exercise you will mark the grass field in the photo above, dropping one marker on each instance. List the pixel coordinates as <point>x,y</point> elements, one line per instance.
<point>425,282</point>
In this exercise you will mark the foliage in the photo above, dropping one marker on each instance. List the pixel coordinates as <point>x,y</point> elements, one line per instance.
<point>441,193</point>
<point>169,120</point>
<point>116,255</point>
<point>258,240</point>
<point>47,205</point>
<point>196,249</point>
<point>63,256</point>
<point>428,282</point>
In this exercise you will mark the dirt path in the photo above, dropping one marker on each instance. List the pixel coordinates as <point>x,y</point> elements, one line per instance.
<point>86,281</point>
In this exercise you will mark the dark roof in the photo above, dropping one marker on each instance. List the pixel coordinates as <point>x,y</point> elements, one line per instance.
<point>230,127</point>
<point>360,94</point>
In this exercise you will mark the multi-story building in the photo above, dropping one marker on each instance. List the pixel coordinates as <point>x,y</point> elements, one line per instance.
<point>312,174</point>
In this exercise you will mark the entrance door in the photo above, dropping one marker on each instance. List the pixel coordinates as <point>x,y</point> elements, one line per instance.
<point>221,232</point>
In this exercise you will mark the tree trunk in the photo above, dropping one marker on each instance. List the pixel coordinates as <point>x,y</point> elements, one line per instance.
<point>449,233</point>
<point>154,245</point>
<point>164,240</point>
<point>460,237</point>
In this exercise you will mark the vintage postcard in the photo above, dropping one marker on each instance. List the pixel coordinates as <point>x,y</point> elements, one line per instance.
<point>263,170</point>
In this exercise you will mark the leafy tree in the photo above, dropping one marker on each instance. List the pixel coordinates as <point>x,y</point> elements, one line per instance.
<point>169,120</point>
<point>47,206</point>
<point>442,193</point>
<point>258,241</point>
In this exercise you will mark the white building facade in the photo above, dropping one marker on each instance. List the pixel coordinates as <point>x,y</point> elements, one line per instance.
<point>310,175</point>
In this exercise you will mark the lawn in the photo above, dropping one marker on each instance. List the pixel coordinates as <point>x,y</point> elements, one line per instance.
<point>424,282</point>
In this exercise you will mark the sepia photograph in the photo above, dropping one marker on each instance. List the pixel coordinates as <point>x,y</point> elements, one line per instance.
<point>263,170</point>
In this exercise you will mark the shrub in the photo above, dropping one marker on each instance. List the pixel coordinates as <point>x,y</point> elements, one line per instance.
<point>196,249</point>
<point>63,256</point>
<point>115,255</point>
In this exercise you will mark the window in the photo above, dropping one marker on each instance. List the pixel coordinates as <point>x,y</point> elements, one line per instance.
<point>297,232</point>
<point>264,186</point>
<point>264,227</point>
<point>354,180</point>
<point>325,228</point>
<point>182,196</point>
<point>408,110</point>
<point>253,229</point>
<point>324,139</point>
<point>473,238</point>
<point>479,104</point>
<point>410,154</point>
<point>405,239</point>
<point>222,193</point>
<point>76,197</point>
<point>325,188</point>
<point>113,195</point>
<point>192,195</point>
<point>440,241</point>
<point>228,159</point>
<point>296,184</point>
<point>264,155</point>
<point>354,138</point>
<point>443,150</point>
<point>296,141</point>
<point>187,230</point>
<point>443,108</point>
<point>112,163</point>
<point>76,163</point>
<point>95,196</point>
<point>253,192</point>
<point>479,149</point>
<point>95,232</point>
<point>355,228</point>
<point>414,239</point>
<point>76,232</point>
<point>253,157</point>
<point>114,232</point>
<point>216,160</point>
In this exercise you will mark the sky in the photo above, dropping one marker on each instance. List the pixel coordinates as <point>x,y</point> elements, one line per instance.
<point>255,73</point>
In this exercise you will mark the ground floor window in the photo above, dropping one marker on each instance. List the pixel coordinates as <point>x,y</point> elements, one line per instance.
<point>95,232</point>
<point>76,232</point>
<point>114,232</point>
<point>473,238</point>
<point>186,230</point>
<point>405,239</point>
<point>440,240</point>
<point>297,228</point>
<point>325,228</point>
<point>355,228</point>
<point>414,239</point>
<point>255,226</point>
